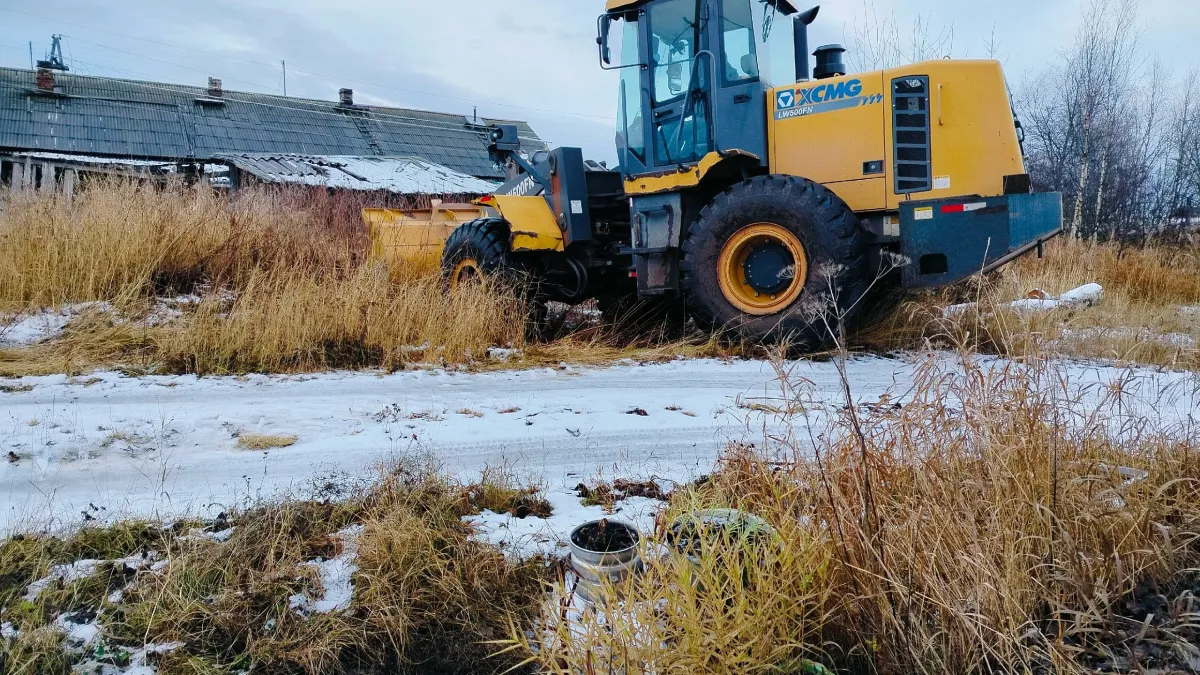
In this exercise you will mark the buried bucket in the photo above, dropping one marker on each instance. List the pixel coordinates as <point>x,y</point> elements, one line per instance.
<point>731,540</point>
<point>692,534</point>
<point>603,552</point>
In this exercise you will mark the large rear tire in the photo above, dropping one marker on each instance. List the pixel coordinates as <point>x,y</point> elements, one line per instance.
<point>776,258</point>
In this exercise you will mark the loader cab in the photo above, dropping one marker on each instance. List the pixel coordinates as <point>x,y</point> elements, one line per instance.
<point>693,77</point>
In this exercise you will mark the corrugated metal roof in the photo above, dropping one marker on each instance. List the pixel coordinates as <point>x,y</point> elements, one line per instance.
<point>403,175</point>
<point>91,160</point>
<point>150,120</point>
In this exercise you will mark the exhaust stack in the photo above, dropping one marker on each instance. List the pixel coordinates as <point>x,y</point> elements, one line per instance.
<point>800,38</point>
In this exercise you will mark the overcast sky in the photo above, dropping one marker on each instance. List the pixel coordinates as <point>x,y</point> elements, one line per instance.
<point>522,59</point>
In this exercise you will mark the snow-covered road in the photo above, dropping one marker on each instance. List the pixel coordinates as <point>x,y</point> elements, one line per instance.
<point>111,446</point>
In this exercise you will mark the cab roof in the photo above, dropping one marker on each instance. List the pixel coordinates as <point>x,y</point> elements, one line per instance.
<point>784,6</point>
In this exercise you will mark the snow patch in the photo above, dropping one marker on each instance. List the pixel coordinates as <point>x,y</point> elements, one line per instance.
<point>80,633</point>
<point>219,536</point>
<point>23,330</point>
<point>1039,301</point>
<point>335,574</point>
<point>561,427</point>
<point>526,537</point>
<point>139,661</point>
<point>1142,334</point>
<point>502,354</point>
<point>80,569</point>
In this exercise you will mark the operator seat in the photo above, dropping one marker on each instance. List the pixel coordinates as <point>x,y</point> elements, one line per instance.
<point>750,66</point>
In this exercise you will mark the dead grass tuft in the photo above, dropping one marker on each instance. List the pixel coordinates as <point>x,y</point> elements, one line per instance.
<point>247,441</point>
<point>606,494</point>
<point>501,491</point>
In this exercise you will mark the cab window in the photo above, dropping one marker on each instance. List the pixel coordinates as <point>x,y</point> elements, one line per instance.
<point>674,34</point>
<point>630,126</point>
<point>738,43</point>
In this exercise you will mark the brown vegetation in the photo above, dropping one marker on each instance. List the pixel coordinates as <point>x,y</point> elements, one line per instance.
<point>279,281</point>
<point>426,598</point>
<point>1150,312</point>
<point>248,441</point>
<point>997,535</point>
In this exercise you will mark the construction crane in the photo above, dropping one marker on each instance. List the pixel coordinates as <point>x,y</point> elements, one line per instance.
<point>753,201</point>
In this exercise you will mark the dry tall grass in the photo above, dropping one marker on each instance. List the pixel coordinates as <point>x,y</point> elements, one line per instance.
<point>120,239</point>
<point>1150,312</point>
<point>283,279</point>
<point>286,286</point>
<point>426,597</point>
<point>980,526</point>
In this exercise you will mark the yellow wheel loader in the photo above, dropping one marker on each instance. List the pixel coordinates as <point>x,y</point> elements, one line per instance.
<point>753,194</point>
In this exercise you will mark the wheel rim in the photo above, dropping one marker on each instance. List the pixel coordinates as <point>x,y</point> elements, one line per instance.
<point>762,269</point>
<point>466,271</point>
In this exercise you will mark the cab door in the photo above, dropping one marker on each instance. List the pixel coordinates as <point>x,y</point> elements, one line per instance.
<point>739,107</point>
<point>680,130</point>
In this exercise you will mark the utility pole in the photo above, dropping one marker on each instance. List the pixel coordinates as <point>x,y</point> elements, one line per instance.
<point>284,64</point>
<point>31,54</point>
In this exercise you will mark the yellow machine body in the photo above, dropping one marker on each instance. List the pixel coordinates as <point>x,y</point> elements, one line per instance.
<point>685,177</point>
<point>714,211</point>
<point>417,236</point>
<point>831,131</point>
<point>534,227</point>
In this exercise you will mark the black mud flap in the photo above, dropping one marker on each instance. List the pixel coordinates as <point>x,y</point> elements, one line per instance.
<point>949,240</point>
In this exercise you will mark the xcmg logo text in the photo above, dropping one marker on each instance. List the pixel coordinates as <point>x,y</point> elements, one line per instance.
<point>790,98</point>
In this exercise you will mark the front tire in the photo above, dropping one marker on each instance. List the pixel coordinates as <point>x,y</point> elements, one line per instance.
<point>478,252</point>
<point>776,258</point>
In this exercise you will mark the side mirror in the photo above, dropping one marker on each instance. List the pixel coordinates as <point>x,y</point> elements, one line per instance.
<point>785,7</point>
<point>605,24</point>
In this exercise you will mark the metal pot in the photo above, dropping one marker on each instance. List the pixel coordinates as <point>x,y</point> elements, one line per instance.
<point>595,568</point>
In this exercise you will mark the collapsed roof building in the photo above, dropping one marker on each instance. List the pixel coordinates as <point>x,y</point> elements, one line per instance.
<point>54,125</point>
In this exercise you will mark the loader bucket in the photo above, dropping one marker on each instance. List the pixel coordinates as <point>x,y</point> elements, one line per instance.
<point>414,238</point>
